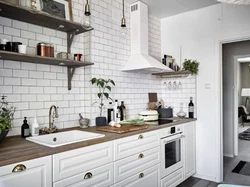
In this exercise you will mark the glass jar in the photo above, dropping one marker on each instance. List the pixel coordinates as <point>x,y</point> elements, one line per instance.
<point>181,114</point>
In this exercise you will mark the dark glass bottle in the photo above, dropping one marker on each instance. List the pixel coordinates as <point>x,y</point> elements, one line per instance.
<point>110,112</point>
<point>191,108</point>
<point>123,111</point>
<point>25,130</point>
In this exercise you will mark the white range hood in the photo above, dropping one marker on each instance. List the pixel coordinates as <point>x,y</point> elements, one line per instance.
<point>139,59</point>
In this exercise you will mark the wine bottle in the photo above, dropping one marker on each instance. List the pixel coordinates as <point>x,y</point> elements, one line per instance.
<point>191,108</point>
<point>123,111</point>
<point>110,112</point>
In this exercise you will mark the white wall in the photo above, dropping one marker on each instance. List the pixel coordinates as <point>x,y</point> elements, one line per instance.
<point>199,33</point>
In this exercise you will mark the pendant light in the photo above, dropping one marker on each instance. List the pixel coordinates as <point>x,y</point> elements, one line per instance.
<point>86,20</point>
<point>236,2</point>
<point>123,29</point>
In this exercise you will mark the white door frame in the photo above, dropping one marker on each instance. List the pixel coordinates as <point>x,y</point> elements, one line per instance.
<point>219,97</point>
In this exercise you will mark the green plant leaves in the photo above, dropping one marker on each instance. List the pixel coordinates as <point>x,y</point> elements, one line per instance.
<point>99,95</point>
<point>108,87</point>
<point>191,65</point>
<point>93,81</point>
<point>112,82</point>
<point>106,95</point>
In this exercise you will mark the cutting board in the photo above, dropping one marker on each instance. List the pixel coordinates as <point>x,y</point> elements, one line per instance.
<point>123,129</point>
<point>152,97</point>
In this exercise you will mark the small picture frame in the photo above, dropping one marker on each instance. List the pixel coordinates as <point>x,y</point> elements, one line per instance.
<point>59,8</point>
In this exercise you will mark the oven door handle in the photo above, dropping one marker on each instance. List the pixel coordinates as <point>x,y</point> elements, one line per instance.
<point>182,136</point>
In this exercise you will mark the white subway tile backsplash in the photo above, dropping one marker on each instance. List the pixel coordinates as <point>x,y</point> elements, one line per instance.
<point>12,81</point>
<point>11,64</point>
<point>28,35</point>
<point>40,86</point>
<point>12,31</point>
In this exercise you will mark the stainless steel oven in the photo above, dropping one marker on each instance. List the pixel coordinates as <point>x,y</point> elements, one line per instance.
<point>171,150</point>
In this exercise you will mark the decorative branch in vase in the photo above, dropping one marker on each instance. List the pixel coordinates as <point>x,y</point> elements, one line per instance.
<point>104,87</point>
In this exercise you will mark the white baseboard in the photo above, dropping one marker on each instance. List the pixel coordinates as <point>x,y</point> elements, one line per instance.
<point>228,155</point>
<point>205,177</point>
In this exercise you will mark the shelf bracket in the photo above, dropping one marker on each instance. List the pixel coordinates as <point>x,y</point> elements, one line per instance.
<point>70,37</point>
<point>71,71</point>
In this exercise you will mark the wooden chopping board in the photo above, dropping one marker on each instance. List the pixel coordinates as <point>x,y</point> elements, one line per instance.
<point>123,129</point>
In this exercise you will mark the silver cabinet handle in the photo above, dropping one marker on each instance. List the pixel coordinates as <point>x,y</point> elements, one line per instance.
<point>141,175</point>
<point>88,175</point>
<point>140,137</point>
<point>141,155</point>
<point>19,168</point>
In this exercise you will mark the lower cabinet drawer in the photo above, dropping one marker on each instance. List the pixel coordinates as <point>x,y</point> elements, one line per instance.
<point>99,177</point>
<point>147,178</point>
<point>173,179</point>
<point>136,163</point>
<point>77,161</point>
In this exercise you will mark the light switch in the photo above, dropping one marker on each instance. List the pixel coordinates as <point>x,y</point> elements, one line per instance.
<point>207,86</point>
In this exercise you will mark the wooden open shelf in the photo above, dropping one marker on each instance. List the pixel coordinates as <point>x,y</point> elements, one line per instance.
<point>174,74</point>
<point>6,55</point>
<point>39,18</point>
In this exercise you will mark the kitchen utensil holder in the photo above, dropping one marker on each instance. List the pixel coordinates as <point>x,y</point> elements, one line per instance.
<point>165,112</point>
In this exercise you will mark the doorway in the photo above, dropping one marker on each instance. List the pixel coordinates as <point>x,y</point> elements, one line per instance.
<point>234,150</point>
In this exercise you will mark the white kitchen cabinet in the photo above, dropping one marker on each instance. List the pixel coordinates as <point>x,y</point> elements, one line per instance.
<point>189,149</point>
<point>128,146</point>
<point>98,177</point>
<point>32,173</point>
<point>134,164</point>
<point>71,163</point>
<point>173,179</point>
<point>147,178</point>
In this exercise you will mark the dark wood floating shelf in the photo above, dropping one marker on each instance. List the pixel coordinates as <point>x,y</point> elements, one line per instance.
<point>5,55</point>
<point>39,18</point>
<point>174,74</point>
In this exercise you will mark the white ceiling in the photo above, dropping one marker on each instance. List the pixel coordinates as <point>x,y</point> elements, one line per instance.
<point>166,8</point>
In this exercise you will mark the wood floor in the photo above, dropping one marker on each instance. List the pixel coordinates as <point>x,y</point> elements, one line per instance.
<point>195,182</point>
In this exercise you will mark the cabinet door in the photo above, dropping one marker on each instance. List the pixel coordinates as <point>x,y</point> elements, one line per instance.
<point>148,178</point>
<point>134,164</point>
<point>131,145</point>
<point>99,177</point>
<point>173,179</point>
<point>35,173</point>
<point>74,162</point>
<point>190,149</point>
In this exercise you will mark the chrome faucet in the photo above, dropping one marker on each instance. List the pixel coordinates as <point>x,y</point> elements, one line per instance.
<point>51,126</point>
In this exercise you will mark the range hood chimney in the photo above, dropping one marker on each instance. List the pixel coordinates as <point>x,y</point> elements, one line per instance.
<point>139,59</point>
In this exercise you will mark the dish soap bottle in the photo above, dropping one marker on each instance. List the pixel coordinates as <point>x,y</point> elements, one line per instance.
<point>25,130</point>
<point>35,128</point>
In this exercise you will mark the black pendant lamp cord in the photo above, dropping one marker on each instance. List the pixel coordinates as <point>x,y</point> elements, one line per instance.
<point>123,9</point>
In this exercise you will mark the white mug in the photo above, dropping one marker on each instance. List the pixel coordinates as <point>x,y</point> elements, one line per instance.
<point>3,41</point>
<point>22,49</point>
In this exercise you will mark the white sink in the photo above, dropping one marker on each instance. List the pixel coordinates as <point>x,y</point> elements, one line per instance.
<point>64,138</point>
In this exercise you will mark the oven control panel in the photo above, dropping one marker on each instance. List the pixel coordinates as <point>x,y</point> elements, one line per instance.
<point>171,131</point>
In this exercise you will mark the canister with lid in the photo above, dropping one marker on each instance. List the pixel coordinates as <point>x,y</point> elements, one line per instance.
<point>41,49</point>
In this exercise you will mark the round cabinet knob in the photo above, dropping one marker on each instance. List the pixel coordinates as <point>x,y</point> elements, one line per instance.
<point>141,175</point>
<point>141,155</point>
<point>88,175</point>
<point>140,137</point>
<point>19,168</point>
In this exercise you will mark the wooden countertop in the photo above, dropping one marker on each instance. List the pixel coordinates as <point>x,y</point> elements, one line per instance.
<point>16,149</point>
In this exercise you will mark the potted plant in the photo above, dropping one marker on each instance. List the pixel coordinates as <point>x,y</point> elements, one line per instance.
<point>6,116</point>
<point>191,65</point>
<point>104,87</point>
